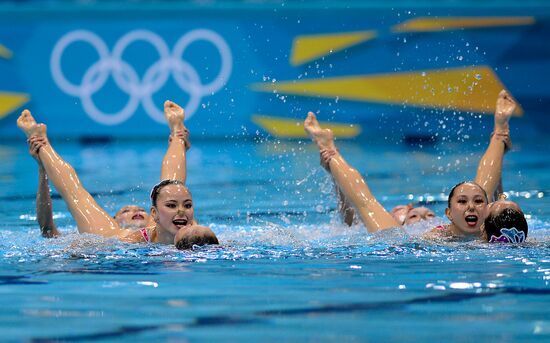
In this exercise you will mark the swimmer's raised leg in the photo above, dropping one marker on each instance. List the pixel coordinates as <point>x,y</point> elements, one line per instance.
<point>325,141</point>
<point>28,125</point>
<point>323,137</point>
<point>489,170</point>
<point>89,216</point>
<point>349,180</point>
<point>174,164</point>
<point>345,209</point>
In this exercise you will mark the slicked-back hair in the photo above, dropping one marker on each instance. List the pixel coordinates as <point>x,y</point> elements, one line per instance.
<point>452,192</point>
<point>159,186</point>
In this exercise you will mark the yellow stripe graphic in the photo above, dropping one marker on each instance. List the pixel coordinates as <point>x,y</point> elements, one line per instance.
<point>307,48</point>
<point>9,102</point>
<point>466,89</point>
<point>425,24</point>
<point>5,52</point>
<point>291,128</point>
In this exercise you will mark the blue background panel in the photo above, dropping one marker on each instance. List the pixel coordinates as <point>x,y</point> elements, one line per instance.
<point>120,63</point>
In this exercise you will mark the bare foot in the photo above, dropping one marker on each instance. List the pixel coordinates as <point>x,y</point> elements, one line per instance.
<point>174,115</point>
<point>323,137</point>
<point>504,109</point>
<point>28,125</point>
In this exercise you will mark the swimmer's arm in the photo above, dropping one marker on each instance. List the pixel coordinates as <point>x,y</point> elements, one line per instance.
<point>489,169</point>
<point>44,214</point>
<point>347,212</point>
<point>174,163</point>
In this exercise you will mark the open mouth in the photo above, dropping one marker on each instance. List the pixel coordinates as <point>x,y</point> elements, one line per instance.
<point>471,220</point>
<point>180,222</point>
<point>138,217</point>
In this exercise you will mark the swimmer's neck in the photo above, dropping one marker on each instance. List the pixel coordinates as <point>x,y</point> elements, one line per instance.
<point>456,232</point>
<point>162,236</point>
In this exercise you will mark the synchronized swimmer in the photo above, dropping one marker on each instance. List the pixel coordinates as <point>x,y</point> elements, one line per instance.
<point>472,210</point>
<point>128,216</point>
<point>171,219</point>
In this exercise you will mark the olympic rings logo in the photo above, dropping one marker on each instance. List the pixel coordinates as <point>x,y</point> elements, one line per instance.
<point>128,80</point>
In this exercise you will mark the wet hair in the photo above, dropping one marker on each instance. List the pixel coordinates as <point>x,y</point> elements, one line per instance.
<point>159,186</point>
<point>509,226</point>
<point>452,192</point>
<point>188,242</point>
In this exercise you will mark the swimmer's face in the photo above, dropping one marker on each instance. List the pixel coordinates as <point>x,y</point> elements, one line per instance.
<point>400,212</point>
<point>468,208</point>
<point>132,217</point>
<point>417,214</point>
<point>174,210</point>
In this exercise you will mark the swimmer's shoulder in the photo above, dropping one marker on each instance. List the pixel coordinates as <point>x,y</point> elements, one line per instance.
<point>438,232</point>
<point>143,235</point>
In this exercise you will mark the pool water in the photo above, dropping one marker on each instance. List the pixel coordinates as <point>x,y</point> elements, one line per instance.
<point>287,269</point>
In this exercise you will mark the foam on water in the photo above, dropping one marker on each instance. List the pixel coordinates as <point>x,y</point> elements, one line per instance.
<point>263,239</point>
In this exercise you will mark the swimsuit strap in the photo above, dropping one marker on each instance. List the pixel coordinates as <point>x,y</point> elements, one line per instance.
<point>145,235</point>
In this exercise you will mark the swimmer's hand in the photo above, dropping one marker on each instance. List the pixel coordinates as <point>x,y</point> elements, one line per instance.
<point>183,135</point>
<point>194,235</point>
<point>326,156</point>
<point>35,143</point>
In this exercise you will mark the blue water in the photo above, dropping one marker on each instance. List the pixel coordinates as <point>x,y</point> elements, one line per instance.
<point>287,269</point>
